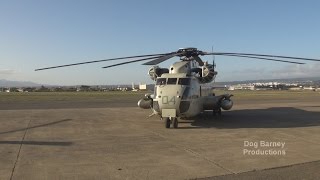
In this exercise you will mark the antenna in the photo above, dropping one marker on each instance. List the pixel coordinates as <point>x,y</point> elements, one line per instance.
<point>213,58</point>
<point>214,64</point>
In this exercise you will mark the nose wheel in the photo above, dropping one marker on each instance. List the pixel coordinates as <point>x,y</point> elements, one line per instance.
<point>175,123</point>
<point>168,121</point>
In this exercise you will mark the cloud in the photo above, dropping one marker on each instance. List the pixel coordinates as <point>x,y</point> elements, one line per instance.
<point>307,70</point>
<point>284,72</point>
<point>7,71</point>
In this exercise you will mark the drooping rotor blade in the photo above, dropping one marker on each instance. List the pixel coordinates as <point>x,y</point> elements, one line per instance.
<point>161,59</point>
<point>112,59</point>
<point>128,62</point>
<point>261,55</point>
<point>254,57</point>
<point>200,62</point>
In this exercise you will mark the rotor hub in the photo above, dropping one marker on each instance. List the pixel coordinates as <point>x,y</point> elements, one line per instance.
<point>188,52</point>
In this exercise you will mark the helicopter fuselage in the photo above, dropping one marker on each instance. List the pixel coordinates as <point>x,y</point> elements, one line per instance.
<point>185,97</point>
<point>180,92</point>
<point>177,95</point>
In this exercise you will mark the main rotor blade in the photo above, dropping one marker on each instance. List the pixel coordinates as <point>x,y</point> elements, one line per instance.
<point>262,55</point>
<point>161,59</point>
<point>253,57</point>
<point>128,62</point>
<point>112,59</point>
<point>198,59</point>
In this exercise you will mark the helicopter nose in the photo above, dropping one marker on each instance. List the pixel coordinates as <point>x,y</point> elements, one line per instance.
<point>169,101</point>
<point>174,102</point>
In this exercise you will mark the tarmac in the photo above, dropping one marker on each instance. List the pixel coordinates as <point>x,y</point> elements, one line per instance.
<point>116,141</point>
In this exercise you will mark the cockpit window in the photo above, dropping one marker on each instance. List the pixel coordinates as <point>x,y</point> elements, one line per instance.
<point>172,81</point>
<point>184,81</point>
<point>161,81</point>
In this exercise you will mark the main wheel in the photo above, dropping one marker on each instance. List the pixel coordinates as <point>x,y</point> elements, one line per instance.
<point>167,122</point>
<point>175,123</point>
<point>216,111</point>
<point>219,111</point>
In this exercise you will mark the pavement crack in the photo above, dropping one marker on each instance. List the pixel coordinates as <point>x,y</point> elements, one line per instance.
<point>195,154</point>
<point>301,138</point>
<point>20,147</point>
<point>207,159</point>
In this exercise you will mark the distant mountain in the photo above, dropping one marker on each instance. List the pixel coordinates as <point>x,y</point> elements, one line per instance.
<point>7,83</point>
<point>314,80</point>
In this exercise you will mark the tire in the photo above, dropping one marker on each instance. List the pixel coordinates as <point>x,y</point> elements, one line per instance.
<point>216,112</point>
<point>219,112</point>
<point>175,123</point>
<point>167,122</point>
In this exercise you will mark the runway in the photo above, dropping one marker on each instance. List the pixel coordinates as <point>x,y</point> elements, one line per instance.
<point>117,141</point>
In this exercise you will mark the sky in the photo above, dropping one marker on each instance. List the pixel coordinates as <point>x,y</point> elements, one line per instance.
<point>42,33</point>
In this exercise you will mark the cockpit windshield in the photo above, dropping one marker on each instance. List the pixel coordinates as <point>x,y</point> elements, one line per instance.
<point>184,81</point>
<point>172,81</point>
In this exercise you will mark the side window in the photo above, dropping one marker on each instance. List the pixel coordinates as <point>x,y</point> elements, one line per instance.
<point>184,81</point>
<point>161,81</point>
<point>172,81</point>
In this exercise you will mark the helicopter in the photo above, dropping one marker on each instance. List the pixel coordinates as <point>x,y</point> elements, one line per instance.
<point>181,90</point>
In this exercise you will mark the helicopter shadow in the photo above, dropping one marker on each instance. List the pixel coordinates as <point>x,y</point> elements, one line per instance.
<point>37,126</point>
<point>38,143</point>
<point>277,117</point>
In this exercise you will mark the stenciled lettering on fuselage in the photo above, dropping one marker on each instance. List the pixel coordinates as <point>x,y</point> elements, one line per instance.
<point>168,100</point>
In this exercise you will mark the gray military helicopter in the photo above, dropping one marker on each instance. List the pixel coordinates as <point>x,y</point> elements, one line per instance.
<point>182,91</point>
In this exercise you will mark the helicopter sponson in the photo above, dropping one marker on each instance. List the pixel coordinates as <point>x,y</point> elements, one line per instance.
<point>146,103</point>
<point>215,102</point>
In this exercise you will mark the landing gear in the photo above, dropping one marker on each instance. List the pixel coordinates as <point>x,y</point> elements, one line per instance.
<point>217,112</point>
<point>168,122</point>
<point>175,123</point>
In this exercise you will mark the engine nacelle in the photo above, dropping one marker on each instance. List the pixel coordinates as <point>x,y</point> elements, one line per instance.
<point>145,103</point>
<point>156,71</point>
<point>207,74</point>
<point>226,104</point>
